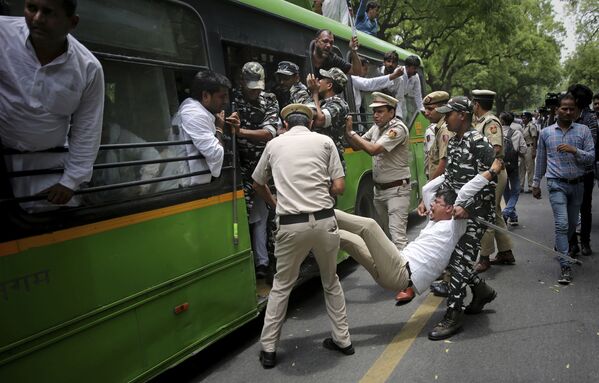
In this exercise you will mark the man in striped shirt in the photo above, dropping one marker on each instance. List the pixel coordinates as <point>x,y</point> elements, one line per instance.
<point>563,151</point>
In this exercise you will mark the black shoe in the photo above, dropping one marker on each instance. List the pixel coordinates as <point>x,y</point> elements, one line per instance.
<point>329,344</point>
<point>449,326</point>
<point>261,271</point>
<point>513,221</point>
<point>566,276</point>
<point>586,249</point>
<point>574,250</point>
<point>268,359</point>
<point>440,289</point>
<point>481,295</point>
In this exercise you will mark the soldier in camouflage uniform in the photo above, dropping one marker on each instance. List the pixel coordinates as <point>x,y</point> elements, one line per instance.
<point>330,109</point>
<point>489,126</point>
<point>259,115</point>
<point>469,154</point>
<point>289,89</point>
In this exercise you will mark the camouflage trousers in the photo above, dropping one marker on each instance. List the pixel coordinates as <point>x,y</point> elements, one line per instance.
<point>461,263</point>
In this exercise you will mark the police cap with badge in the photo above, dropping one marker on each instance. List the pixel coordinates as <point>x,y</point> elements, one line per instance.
<point>382,99</point>
<point>292,109</point>
<point>436,97</point>
<point>483,95</point>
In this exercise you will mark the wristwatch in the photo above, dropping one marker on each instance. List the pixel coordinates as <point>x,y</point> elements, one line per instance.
<point>493,172</point>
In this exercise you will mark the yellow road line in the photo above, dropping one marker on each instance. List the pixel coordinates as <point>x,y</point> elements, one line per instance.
<point>390,358</point>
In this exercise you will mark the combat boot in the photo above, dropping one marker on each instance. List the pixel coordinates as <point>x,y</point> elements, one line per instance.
<point>504,258</point>
<point>481,295</point>
<point>450,325</point>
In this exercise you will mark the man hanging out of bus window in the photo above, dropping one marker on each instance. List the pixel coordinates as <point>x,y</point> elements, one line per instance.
<point>323,56</point>
<point>366,17</point>
<point>259,115</point>
<point>423,259</point>
<point>331,110</point>
<point>200,119</point>
<point>51,93</point>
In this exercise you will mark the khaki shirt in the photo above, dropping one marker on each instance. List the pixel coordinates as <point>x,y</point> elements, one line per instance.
<point>394,163</point>
<point>530,133</point>
<point>438,149</point>
<point>490,126</point>
<point>302,164</point>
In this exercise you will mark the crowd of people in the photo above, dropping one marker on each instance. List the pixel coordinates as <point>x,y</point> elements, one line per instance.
<point>297,135</point>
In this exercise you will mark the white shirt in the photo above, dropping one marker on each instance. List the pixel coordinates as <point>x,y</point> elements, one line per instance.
<point>428,255</point>
<point>413,90</point>
<point>336,10</point>
<point>196,123</point>
<point>37,103</point>
<point>368,85</point>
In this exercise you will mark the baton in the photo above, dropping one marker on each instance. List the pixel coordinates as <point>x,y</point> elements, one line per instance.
<point>549,250</point>
<point>234,147</point>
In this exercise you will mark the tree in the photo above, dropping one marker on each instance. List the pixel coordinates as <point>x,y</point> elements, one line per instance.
<point>583,66</point>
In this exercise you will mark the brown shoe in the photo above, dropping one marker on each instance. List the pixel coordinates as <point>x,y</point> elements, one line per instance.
<point>405,296</point>
<point>504,258</point>
<point>482,265</point>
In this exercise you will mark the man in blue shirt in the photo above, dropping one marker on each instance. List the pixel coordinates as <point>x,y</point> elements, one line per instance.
<point>564,149</point>
<point>366,17</point>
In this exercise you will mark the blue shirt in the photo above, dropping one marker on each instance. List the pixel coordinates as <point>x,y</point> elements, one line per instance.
<point>363,23</point>
<point>554,164</point>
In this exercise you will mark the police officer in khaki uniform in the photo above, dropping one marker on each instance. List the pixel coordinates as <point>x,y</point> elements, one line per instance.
<point>307,173</point>
<point>530,133</point>
<point>387,142</point>
<point>437,154</point>
<point>489,126</point>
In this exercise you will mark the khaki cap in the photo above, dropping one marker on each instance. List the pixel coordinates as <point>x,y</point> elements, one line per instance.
<point>483,94</point>
<point>436,97</point>
<point>253,75</point>
<point>382,99</point>
<point>296,108</point>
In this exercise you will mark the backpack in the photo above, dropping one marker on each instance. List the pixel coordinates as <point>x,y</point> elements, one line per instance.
<point>510,155</point>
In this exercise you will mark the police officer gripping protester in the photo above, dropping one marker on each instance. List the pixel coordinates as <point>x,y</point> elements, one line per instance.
<point>489,126</point>
<point>38,111</point>
<point>331,110</point>
<point>259,116</point>
<point>469,154</point>
<point>308,175</point>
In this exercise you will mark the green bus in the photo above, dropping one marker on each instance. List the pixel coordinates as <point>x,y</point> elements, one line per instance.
<point>145,271</point>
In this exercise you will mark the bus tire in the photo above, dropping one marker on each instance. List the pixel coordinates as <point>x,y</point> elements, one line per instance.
<point>365,197</point>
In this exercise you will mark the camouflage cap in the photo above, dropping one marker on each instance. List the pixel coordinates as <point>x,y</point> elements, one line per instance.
<point>287,68</point>
<point>253,75</point>
<point>382,99</point>
<point>456,104</point>
<point>336,75</point>
<point>483,94</point>
<point>436,97</point>
<point>296,109</point>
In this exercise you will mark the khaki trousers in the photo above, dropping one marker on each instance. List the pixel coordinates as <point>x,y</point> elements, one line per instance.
<point>392,206</point>
<point>504,242</point>
<point>526,166</point>
<point>367,244</point>
<point>292,244</point>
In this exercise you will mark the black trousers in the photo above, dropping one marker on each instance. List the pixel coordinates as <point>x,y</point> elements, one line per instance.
<point>586,218</point>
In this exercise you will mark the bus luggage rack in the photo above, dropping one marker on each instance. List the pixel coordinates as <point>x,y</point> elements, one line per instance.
<point>111,165</point>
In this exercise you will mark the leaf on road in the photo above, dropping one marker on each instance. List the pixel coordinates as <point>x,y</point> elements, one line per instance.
<point>568,365</point>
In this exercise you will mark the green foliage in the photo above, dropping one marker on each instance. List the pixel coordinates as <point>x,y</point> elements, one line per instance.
<point>509,46</point>
<point>583,66</point>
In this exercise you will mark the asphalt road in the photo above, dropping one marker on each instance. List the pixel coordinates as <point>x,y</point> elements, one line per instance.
<point>535,331</point>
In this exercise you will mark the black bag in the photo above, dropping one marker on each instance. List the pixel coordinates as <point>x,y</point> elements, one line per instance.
<point>510,155</point>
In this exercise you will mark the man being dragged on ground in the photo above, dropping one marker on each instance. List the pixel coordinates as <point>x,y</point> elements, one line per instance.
<point>423,259</point>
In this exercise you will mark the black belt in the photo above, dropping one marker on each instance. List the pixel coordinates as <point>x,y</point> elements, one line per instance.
<point>529,144</point>
<point>392,184</point>
<point>305,217</point>
<point>571,181</point>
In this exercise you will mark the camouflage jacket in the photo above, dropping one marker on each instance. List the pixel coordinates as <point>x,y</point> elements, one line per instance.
<point>467,157</point>
<point>299,94</point>
<point>262,115</point>
<point>337,109</point>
